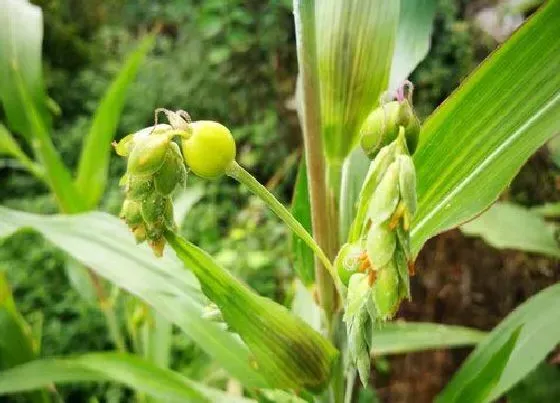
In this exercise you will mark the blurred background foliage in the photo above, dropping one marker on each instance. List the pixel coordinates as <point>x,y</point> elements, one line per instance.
<point>233,61</point>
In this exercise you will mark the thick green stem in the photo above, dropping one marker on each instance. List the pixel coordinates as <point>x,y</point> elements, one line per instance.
<point>238,173</point>
<point>310,117</point>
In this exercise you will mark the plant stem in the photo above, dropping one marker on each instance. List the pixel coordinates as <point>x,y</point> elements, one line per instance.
<point>107,308</point>
<point>310,116</point>
<point>238,173</point>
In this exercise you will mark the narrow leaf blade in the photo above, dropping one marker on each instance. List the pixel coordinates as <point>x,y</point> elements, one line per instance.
<point>539,320</point>
<point>126,369</point>
<point>413,38</point>
<point>476,141</point>
<point>509,226</point>
<point>21,37</point>
<point>404,337</point>
<point>355,44</point>
<point>102,243</point>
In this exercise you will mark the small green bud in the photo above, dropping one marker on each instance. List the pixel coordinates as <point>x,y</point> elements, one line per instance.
<point>148,155</point>
<point>380,128</point>
<point>131,212</point>
<point>153,207</point>
<point>172,173</point>
<point>210,149</point>
<point>140,233</point>
<point>348,262</point>
<point>386,291</point>
<point>126,144</point>
<point>386,196</point>
<point>138,187</point>
<point>381,244</point>
<point>407,186</point>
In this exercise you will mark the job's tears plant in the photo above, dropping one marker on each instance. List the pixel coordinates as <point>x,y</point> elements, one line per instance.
<point>374,264</point>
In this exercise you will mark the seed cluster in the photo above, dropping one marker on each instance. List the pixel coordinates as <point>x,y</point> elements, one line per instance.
<point>155,169</point>
<point>376,262</point>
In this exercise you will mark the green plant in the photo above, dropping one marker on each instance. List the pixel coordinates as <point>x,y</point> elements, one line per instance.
<point>404,200</point>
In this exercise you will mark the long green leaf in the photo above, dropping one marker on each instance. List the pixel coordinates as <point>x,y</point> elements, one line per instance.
<point>476,141</point>
<point>126,369</point>
<point>355,43</point>
<point>539,320</point>
<point>102,243</point>
<point>404,337</point>
<point>289,353</point>
<point>94,161</point>
<point>21,36</point>
<point>9,146</point>
<point>506,225</point>
<point>480,387</point>
<point>17,343</point>
<point>413,38</point>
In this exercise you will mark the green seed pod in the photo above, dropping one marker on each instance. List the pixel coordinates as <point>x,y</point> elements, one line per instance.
<point>386,291</point>
<point>153,207</point>
<point>126,144</point>
<point>347,262</point>
<point>172,173</point>
<point>402,269</point>
<point>148,155</point>
<point>138,187</point>
<point>210,149</point>
<point>168,218</point>
<point>407,184</point>
<point>139,233</point>
<point>386,196</point>
<point>412,131</point>
<point>131,212</point>
<point>380,128</point>
<point>380,246</point>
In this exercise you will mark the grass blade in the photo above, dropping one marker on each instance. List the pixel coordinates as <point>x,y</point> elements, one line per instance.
<point>355,43</point>
<point>94,160</point>
<point>102,243</point>
<point>539,320</point>
<point>413,38</point>
<point>126,369</point>
<point>509,226</point>
<point>405,337</point>
<point>21,36</point>
<point>289,353</point>
<point>476,141</point>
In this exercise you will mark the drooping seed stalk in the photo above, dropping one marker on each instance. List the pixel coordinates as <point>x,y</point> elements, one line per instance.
<point>238,173</point>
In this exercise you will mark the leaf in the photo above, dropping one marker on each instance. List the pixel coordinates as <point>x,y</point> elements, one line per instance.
<point>21,36</point>
<point>304,263</point>
<point>16,344</point>
<point>355,42</point>
<point>102,243</point>
<point>539,320</point>
<point>9,146</point>
<point>476,141</point>
<point>509,226</point>
<point>354,173</point>
<point>403,337</point>
<point>287,351</point>
<point>94,160</point>
<point>547,210</point>
<point>479,388</point>
<point>413,38</point>
<point>554,150</point>
<point>127,369</point>
<point>541,385</point>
